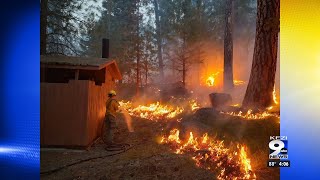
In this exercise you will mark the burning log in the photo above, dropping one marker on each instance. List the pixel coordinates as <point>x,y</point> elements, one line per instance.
<point>219,100</point>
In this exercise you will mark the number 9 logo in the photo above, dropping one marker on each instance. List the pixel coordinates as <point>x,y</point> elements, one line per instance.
<point>277,149</point>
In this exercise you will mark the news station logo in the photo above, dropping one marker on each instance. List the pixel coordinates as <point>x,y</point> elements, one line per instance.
<point>278,147</point>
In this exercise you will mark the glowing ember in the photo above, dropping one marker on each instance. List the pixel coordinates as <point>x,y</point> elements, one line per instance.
<point>250,115</point>
<point>211,154</point>
<point>269,108</point>
<point>238,82</point>
<point>154,111</point>
<point>211,79</point>
<point>235,105</point>
<point>274,95</point>
<point>194,105</point>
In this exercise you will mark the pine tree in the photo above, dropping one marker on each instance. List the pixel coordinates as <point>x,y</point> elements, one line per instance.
<point>262,77</point>
<point>61,24</point>
<point>228,47</point>
<point>158,37</point>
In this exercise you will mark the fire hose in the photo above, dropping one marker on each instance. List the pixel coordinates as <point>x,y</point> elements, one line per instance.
<point>120,148</point>
<point>117,147</point>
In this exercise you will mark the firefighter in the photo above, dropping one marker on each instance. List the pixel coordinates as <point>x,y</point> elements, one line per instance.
<point>110,124</point>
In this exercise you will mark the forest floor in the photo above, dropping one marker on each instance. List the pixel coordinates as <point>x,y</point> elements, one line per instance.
<point>148,159</point>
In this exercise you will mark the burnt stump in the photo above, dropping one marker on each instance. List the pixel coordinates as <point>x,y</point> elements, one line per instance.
<point>219,100</point>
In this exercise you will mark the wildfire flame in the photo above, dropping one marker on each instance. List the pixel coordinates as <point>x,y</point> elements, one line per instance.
<point>154,111</point>
<point>238,82</point>
<point>269,108</point>
<point>245,162</point>
<point>250,115</point>
<point>211,79</point>
<point>194,105</point>
<point>207,152</point>
<point>235,105</point>
<point>211,154</point>
<point>274,95</point>
<point>157,111</point>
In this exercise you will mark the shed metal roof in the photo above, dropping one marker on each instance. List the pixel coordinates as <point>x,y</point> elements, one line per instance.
<point>86,63</point>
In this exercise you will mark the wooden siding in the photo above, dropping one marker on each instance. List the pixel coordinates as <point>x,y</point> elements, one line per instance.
<point>97,97</point>
<point>72,113</point>
<point>63,113</point>
<point>96,110</point>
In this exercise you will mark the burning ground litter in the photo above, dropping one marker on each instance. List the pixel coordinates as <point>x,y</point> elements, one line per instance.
<point>156,111</point>
<point>212,154</point>
<point>208,153</point>
<point>249,115</point>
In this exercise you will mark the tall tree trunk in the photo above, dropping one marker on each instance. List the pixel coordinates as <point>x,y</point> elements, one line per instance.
<point>141,82</point>
<point>262,77</point>
<point>184,70</point>
<point>146,75</point>
<point>173,70</point>
<point>138,51</point>
<point>197,81</point>
<point>228,47</point>
<point>43,26</point>
<point>159,38</point>
<point>138,71</point>
<point>198,75</point>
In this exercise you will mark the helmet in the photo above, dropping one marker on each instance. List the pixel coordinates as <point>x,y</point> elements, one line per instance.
<point>112,92</point>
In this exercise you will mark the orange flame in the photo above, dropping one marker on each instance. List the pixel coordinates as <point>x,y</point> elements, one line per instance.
<point>245,162</point>
<point>210,81</point>
<point>154,111</point>
<point>157,111</point>
<point>194,105</point>
<point>212,154</point>
<point>249,115</point>
<point>238,82</point>
<point>274,95</point>
<point>235,105</point>
<point>174,136</point>
<point>205,138</point>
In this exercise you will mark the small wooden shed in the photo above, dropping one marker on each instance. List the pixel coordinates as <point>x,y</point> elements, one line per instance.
<point>73,95</point>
